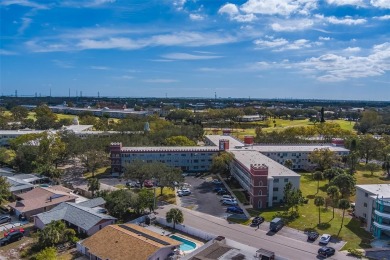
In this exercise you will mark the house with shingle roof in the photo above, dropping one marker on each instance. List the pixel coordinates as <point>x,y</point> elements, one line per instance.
<point>86,217</point>
<point>127,241</point>
<point>40,200</point>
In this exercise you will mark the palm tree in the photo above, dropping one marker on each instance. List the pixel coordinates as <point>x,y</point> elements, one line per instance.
<point>93,185</point>
<point>343,204</point>
<point>319,201</point>
<point>334,194</point>
<point>318,176</point>
<point>175,215</point>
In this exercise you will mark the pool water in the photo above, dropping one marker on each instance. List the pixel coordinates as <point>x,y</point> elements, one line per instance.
<point>186,244</point>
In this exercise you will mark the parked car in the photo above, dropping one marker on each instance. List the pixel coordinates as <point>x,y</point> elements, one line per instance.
<point>276,224</point>
<point>227,197</point>
<point>326,251</point>
<point>229,202</point>
<point>216,189</point>
<point>198,174</point>
<point>13,230</point>
<point>312,235</point>
<point>130,184</point>
<point>217,182</point>
<point>11,237</point>
<point>5,219</point>
<point>223,192</point>
<point>324,239</point>
<point>257,221</point>
<point>235,209</point>
<point>183,192</point>
<point>148,183</point>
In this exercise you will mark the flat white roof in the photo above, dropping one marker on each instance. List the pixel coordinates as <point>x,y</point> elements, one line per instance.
<point>20,132</point>
<point>78,128</point>
<point>382,190</point>
<point>171,149</point>
<point>232,141</point>
<point>296,148</point>
<point>248,157</point>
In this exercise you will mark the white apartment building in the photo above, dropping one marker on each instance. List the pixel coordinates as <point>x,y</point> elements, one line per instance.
<point>373,205</point>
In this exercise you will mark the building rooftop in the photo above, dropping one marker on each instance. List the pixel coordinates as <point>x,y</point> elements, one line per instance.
<point>128,241</point>
<point>233,142</point>
<point>296,148</point>
<point>171,149</point>
<point>382,190</point>
<point>78,128</point>
<point>247,157</point>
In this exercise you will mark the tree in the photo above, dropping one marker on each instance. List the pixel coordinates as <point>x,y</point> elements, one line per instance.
<point>138,170</point>
<point>288,163</point>
<point>369,119</point>
<point>93,160</point>
<point>49,253</point>
<point>179,141</point>
<point>368,147</point>
<point>145,200</point>
<point>352,161</point>
<point>346,184</point>
<point>6,156</point>
<point>334,194</point>
<point>372,167</point>
<point>323,158</point>
<point>55,233</point>
<point>93,185</point>
<point>118,202</point>
<point>343,204</point>
<point>332,172</point>
<point>175,216</point>
<point>318,176</point>
<point>221,162</point>
<point>166,176</point>
<point>5,192</point>
<point>319,201</point>
<point>46,119</point>
<point>19,113</point>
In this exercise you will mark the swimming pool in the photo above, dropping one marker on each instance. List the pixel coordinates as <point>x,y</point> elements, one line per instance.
<point>186,244</point>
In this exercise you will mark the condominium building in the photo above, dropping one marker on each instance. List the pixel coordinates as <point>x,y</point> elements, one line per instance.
<point>373,205</point>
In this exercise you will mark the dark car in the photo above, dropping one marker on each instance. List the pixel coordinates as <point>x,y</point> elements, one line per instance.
<point>13,230</point>
<point>312,235</point>
<point>223,192</point>
<point>326,251</point>
<point>235,209</point>
<point>5,219</point>
<point>11,237</point>
<point>257,221</point>
<point>216,189</point>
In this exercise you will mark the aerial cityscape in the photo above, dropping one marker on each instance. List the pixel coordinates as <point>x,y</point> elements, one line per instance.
<point>192,129</point>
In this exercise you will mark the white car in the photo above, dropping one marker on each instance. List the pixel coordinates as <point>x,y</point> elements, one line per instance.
<point>229,202</point>
<point>324,239</point>
<point>184,192</point>
<point>224,197</point>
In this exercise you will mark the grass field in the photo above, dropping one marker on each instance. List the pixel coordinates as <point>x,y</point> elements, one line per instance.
<point>351,230</point>
<point>280,125</point>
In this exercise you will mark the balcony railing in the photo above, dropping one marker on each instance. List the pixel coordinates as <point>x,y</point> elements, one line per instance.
<point>382,226</point>
<point>382,214</point>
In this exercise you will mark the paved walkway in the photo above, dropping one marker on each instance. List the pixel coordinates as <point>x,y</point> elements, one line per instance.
<point>284,247</point>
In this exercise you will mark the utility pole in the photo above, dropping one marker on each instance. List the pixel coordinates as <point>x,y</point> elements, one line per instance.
<point>69,92</point>
<point>16,93</point>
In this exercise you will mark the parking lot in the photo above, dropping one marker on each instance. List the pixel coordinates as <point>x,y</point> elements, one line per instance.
<point>202,197</point>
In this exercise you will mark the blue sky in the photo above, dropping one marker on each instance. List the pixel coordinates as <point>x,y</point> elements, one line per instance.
<point>326,49</point>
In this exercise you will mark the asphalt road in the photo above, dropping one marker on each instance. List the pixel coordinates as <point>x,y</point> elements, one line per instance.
<point>284,247</point>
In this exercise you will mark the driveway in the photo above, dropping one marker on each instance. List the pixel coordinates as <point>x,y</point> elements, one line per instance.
<point>14,223</point>
<point>202,197</point>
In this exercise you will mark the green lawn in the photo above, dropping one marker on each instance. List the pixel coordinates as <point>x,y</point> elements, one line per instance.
<point>351,231</point>
<point>98,172</point>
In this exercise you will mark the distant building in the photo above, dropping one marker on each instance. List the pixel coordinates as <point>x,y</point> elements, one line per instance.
<point>373,205</point>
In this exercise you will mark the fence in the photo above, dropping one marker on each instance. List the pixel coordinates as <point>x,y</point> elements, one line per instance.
<point>187,229</point>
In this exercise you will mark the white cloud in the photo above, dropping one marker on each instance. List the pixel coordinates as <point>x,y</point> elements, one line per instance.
<point>187,56</point>
<point>230,9</point>
<point>99,68</point>
<point>179,4</point>
<point>25,24</point>
<point>384,17</point>
<point>86,3</point>
<point>161,80</point>
<point>332,67</point>
<point>291,26</point>
<point>7,53</point>
<point>385,4</point>
<point>270,44</point>
<point>324,38</point>
<point>234,14</point>
<point>346,21</point>
<point>24,3</point>
<point>196,17</point>
<point>352,49</point>
<point>279,7</point>
<point>111,43</point>
<point>282,44</point>
<point>347,2</point>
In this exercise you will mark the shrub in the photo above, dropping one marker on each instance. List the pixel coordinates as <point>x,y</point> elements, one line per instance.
<point>355,252</point>
<point>49,253</point>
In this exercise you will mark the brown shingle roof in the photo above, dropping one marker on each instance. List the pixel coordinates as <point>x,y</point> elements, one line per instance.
<point>39,198</point>
<point>116,243</point>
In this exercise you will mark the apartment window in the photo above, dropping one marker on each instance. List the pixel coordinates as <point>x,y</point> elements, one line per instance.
<point>276,189</point>
<point>274,198</point>
<point>276,180</point>
<point>365,205</point>
<point>285,179</point>
<point>364,215</point>
<point>366,194</point>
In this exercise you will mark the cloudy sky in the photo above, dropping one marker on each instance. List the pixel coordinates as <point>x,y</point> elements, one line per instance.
<point>326,49</point>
